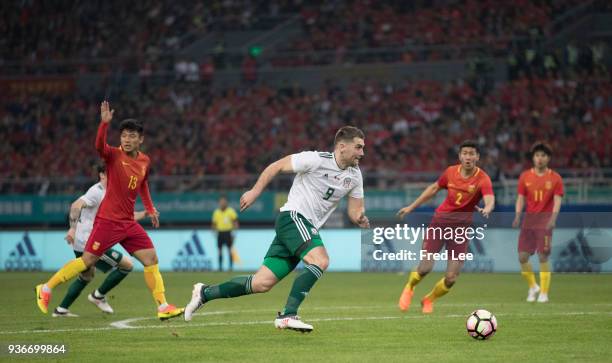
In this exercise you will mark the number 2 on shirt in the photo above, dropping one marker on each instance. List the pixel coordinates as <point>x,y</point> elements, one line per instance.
<point>459,198</point>
<point>133,182</point>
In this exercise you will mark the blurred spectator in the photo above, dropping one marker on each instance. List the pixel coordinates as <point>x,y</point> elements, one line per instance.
<point>249,70</point>
<point>181,69</point>
<point>207,71</point>
<point>193,72</point>
<point>219,54</point>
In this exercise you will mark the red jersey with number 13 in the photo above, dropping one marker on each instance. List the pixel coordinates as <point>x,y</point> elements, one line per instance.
<point>127,177</point>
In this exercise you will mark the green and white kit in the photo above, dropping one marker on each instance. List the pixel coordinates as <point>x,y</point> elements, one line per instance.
<point>317,189</point>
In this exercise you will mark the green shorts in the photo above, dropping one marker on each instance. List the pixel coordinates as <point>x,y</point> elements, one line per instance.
<point>295,237</point>
<point>108,261</point>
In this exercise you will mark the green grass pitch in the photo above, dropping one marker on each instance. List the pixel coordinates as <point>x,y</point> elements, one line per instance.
<point>354,315</point>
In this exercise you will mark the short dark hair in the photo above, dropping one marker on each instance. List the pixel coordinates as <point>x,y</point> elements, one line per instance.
<point>100,167</point>
<point>540,146</point>
<point>222,196</point>
<point>348,133</point>
<point>470,143</point>
<point>131,124</point>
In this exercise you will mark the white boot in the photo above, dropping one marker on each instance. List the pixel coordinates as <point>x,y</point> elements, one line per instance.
<point>196,301</point>
<point>292,322</point>
<point>532,293</point>
<point>100,303</point>
<point>543,298</point>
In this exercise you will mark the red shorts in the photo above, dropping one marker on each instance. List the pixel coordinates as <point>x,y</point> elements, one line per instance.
<point>535,239</point>
<point>106,233</point>
<point>434,240</point>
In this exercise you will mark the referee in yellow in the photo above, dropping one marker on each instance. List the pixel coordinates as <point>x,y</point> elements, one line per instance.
<point>224,221</point>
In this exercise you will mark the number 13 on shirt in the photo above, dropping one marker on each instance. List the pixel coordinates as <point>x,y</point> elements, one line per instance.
<point>133,182</point>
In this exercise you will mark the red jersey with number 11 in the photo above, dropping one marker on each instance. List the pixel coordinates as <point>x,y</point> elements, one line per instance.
<point>127,177</point>
<point>540,190</point>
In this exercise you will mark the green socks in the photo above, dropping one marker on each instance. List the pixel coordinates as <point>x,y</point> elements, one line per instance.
<point>301,286</point>
<point>113,279</point>
<point>74,290</point>
<point>237,286</point>
<point>241,285</point>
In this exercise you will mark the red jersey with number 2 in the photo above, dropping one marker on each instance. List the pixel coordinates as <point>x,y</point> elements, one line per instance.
<point>463,193</point>
<point>127,177</point>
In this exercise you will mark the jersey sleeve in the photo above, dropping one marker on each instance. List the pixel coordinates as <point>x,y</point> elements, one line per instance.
<point>145,195</point>
<point>486,187</point>
<point>559,187</point>
<point>215,216</point>
<point>521,189</point>
<point>443,180</point>
<point>93,197</point>
<point>105,151</point>
<point>305,161</point>
<point>233,214</point>
<point>357,191</point>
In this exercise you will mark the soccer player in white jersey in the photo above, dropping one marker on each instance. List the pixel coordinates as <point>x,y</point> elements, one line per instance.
<point>82,214</point>
<point>322,180</point>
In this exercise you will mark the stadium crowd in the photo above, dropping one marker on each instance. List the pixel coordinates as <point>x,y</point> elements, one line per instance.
<point>410,125</point>
<point>82,32</point>
<point>145,33</point>
<point>562,95</point>
<point>403,27</point>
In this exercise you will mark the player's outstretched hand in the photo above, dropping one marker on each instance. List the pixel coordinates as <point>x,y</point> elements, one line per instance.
<point>106,114</point>
<point>363,221</point>
<point>154,218</point>
<point>247,199</point>
<point>70,236</point>
<point>402,212</point>
<point>484,211</point>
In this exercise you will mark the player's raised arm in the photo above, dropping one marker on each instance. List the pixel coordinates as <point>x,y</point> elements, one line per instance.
<point>426,195</point>
<point>106,115</point>
<point>283,165</point>
<point>356,212</point>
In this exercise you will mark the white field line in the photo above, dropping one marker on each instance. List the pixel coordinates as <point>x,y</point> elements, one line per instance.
<point>125,324</point>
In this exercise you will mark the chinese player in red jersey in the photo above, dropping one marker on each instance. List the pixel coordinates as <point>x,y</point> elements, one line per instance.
<point>127,172</point>
<point>466,185</point>
<point>542,188</point>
